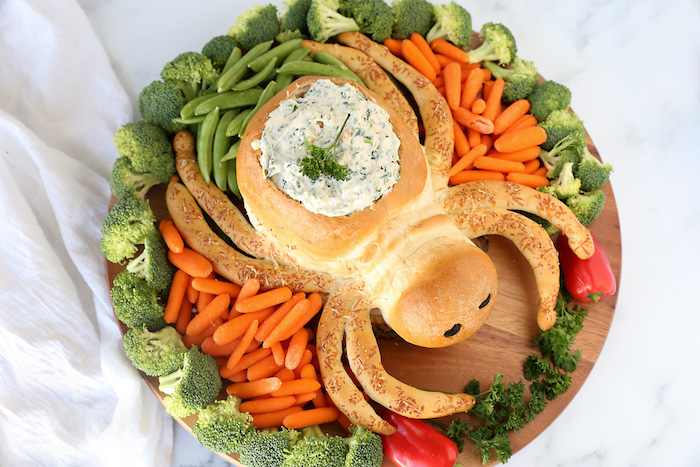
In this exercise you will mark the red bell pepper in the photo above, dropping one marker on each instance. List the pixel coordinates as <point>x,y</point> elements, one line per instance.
<point>587,280</point>
<point>417,444</point>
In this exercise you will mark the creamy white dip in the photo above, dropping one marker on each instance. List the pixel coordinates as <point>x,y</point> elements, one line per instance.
<point>367,146</point>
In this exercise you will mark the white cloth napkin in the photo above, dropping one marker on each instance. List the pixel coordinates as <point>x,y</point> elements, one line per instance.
<point>68,395</point>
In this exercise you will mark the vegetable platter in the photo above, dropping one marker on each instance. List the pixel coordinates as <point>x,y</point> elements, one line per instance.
<point>518,377</point>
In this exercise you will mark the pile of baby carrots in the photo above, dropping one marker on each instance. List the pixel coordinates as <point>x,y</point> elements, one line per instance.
<point>491,142</point>
<point>261,339</point>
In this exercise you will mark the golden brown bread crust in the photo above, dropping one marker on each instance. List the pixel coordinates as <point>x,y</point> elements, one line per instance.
<point>315,237</point>
<point>373,75</point>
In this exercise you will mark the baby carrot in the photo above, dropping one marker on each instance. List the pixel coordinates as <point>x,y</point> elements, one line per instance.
<point>197,339</point>
<point>520,139</point>
<point>171,235</point>
<point>453,85</point>
<point>278,315</point>
<point>296,319</point>
<point>523,155</point>
<point>487,140</point>
<point>184,316</point>
<point>471,87</point>
<point>531,166</point>
<point>498,165</point>
<point>394,46</point>
<point>443,60</point>
<point>425,49</point>
<point>542,171</point>
<point>216,287</point>
<point>311,417</point>
<point>294,387</point>
<point>533,181</point>
<point>473,175</point>
<point>306,358</point>
<point>178,288</point>
<point>267,404</point>
<point>251,389</point>
<point>417,60</point>
<point>286,375</point>
<point>237,326</point>
<point>203,299</point>
<point>474,137</point>
<point>210,347</point>
<point>305,397</point>
<point>461,141</point>
<point>263,300</point>
<point>242,345</point>
<point>297,345</point>
<point>443,47</point>
<point>479,106</point>
<point>248,289</point>
<point>493,102</point>
<point>471,120</point>
<point>191,262</point>
<point>467,161</point>
<point>191,293</point>
<point>265,368</point>
<point>523,122</point>
<point>213,310</point>
<point>510,115</point>
<point>249,359</point>
<point>274,419</point>
<point>278,353</point>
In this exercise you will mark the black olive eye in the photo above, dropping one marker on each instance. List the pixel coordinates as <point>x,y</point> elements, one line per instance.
<point>453,330</point>
<point>485,302</point>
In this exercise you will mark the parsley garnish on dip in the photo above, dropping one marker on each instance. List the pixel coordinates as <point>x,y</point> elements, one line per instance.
<point>367,146</point>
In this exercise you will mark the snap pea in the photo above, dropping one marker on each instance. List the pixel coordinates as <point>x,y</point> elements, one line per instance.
<point>232,178</point>
<point>229,100</point>
<point>267,93</point>
<point>187,110</point>
<point>328,59</point>
<point>221,145</point>
<point>205,143</point>
<point>236,55</point>
<point>257,78</point>
<point>283,80</point>
<point>300,68</point>
<point>232,152</point>
<point>298,54</point>
<point>235,126</point>
<point>239,69</point>
<point>279,52</point>
<point>189,120</point>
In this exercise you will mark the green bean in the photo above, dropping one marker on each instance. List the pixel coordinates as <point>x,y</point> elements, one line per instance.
<point>232,178</point>
<point>267,94</point>
<point>236,55</point>
<point>300,68</point>
<point>229,100</point>
<point>239,69</point>
<point>205,143</point>
<point>280,52</point>
<point>257,78</point>
<point>187,110</point>
<point>221,145</point>
<point>235,126</point>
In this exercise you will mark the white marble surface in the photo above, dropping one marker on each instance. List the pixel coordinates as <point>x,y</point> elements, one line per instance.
<point>634,70</point>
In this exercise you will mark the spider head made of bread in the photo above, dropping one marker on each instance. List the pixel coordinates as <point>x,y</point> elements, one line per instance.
<point>430,283</point>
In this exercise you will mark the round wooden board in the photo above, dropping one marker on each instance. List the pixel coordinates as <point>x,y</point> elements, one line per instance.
<point>500,346</point>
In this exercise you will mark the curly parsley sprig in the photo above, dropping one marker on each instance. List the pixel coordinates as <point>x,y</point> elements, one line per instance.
<point>323,160</point>
<point>502,407</point>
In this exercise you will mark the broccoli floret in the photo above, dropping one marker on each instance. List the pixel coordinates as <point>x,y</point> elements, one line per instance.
<point>411,16</point>
<point>192,387</point>
<point>255,25</point>
<point>548,96</point>
<point>126,182</point>
<point>521,78</point>
<point>219,49</point>
<point>498,46</point>
<point>314,448</point>
<point>566,185</point>
<point>155,353</point>
<point>222,427</point>
<point>148,148</point>
<point>159,103</point>
<point>364,448</point>
<point>126,225</point>
<point>324,20</point>
<point>587,206</point>
<point>452,23</point>
<point>264,449</point>
<point>568,149</point>
<point>561,124</point>
<point>372,16</point>
<point>136,303</point>
<point>592,172</point>
<point>192,72</point>
<point>292,16</point>
<point>152,264</point>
